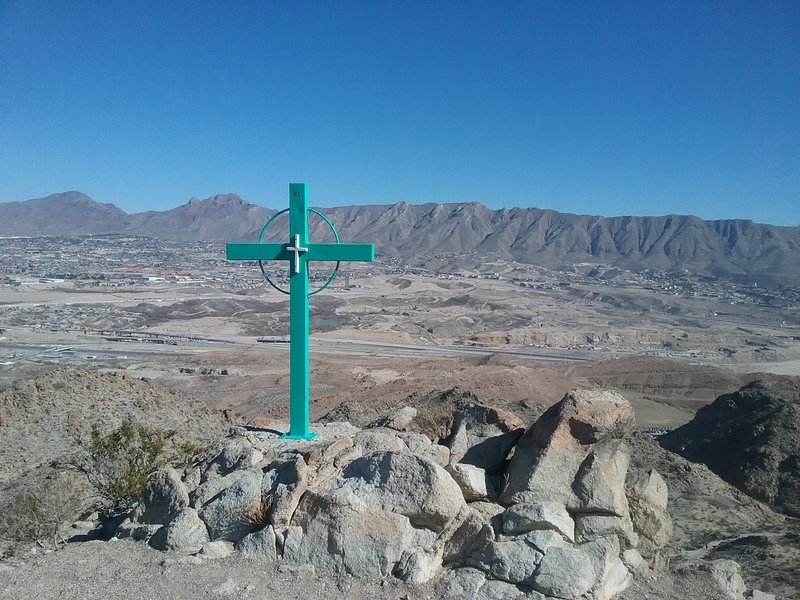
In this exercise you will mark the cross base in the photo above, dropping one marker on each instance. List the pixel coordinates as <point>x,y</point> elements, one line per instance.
<point>311,435</point>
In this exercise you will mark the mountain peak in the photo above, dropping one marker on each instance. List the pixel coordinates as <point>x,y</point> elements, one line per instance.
<point>226,200</point>
<point>70,196</point>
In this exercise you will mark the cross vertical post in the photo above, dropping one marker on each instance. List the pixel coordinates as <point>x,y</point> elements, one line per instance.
<point>299,364</point>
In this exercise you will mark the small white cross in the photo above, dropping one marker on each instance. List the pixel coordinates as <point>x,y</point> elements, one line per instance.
<point>297,249</point>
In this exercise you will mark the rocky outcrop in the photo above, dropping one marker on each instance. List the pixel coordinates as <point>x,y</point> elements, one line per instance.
<point>751,439</point>
<point>647,498</point>
<point>566,498</point>
<point>384,502</point>
<point>483,436</point>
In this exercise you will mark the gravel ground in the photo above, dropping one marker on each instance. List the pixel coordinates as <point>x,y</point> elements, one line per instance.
<point>127,570</point>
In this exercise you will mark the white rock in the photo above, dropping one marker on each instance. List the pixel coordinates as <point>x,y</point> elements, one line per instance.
<point>647,500</point>
<point>237,453</point>
<point>406,485</point>
<point>472,534</point>
<point>543,539</point>
<point>471,479</point>
<point>259,545</point>
<point>549,454</point>
<point>217,549</point>
<point>463,583</point>
<point>417,565</point>
<point>600,482</point>
<point>727,574</point>
<point>213,487</point>
<point>634,562</point>
<point>591,527</point>
<point>376,440</point>
<point>514,561</point>
<point>612,576</point>
<point>336,532</point>
<point>227,514</point>
<point>400,420</point>
<point>163,498</point>
<point>421,445</point>
<point>521,518</point>
<point>186,534</point>
<point>499,590</point>
<point>564,573</point>
<point>286,483</point>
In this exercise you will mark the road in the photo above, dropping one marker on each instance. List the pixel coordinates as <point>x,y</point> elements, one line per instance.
<point>86,345</point>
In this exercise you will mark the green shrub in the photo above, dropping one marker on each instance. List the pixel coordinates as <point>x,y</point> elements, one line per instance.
<point>117,464</point>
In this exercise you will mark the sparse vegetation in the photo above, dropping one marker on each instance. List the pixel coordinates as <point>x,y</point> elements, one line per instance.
<point>117,464</point>
<point>38,509</point>
<point>259,518</point>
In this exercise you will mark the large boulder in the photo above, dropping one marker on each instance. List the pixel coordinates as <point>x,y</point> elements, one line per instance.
<point>566,497</point>
<point>406,485</point>
<point>163,498</point>
<point>522,518</point>
<point>564,573</point>
<point>600,482</point>
<point>259,545</point>
<point>549,454</point>
<point>235,453</point>
<point>337,532</point>
<point>513,560</point>
<point>612,574</point>
<point>401,419</point>
<point>472,480</point>
<point>471,535</point>
<point>235,510</point>
<point>382,502</point>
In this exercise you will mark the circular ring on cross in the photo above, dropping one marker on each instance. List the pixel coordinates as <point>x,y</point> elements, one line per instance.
<point>261,240</point>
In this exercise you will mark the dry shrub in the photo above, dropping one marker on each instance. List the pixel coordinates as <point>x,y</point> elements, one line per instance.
<point>38,508</point>
<point>434,420</point>
<point>259,517</point>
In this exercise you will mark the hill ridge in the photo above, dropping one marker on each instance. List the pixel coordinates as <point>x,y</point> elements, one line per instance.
<point>729,248</point>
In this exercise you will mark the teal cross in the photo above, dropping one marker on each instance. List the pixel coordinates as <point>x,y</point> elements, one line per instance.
<point>298,252</point>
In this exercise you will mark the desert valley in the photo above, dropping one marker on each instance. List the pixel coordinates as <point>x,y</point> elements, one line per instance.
<point>500,354</point>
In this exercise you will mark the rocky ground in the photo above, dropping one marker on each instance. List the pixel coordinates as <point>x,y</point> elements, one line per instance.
<point>128,570</point>
<point>331,486</point>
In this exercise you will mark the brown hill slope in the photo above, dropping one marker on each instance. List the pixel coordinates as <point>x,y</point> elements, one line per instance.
<point>40,418</point>
<point>750,438</point>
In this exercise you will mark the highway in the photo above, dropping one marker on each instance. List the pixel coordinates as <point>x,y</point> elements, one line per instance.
<point>97,347</point>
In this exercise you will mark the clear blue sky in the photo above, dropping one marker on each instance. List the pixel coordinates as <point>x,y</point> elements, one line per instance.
<point>592,107</point>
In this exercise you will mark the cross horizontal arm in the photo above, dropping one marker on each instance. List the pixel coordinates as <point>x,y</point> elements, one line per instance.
<point>261,251</point>
<point>256,251</point>
<point>344,252</point>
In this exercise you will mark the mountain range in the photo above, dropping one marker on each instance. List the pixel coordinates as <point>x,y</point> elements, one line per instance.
<point>733,249</point>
